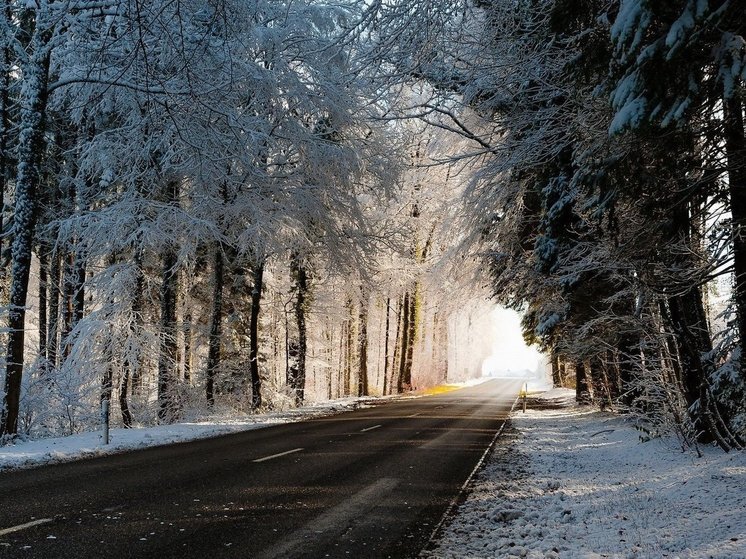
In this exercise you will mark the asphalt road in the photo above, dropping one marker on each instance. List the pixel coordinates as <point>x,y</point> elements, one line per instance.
<point>369,483</point>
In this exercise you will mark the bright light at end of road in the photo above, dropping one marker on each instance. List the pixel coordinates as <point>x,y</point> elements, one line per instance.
<point>510,355</point>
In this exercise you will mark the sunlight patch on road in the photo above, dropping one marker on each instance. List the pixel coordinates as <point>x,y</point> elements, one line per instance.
<point>440,389</point>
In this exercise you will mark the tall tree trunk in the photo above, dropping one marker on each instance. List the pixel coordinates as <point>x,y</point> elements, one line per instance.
<point>133,361</point>
<point>403,380</point>
<point>79,300</point>
<point>30,149</point>
<point>348,345</point>
<point>329,335</point>
<point>168,345</point>
<point>693,341</point>
<point>670,347</point>
<point>582,392</point>
<point>342,358</point>
<point>396,357</point>
<point>216,320</point>
<point>256,299</point>
<point>73,297</point>
<point>124,406</point>
<point>108,376</point>
<point>362,385</point>
<point>188,333</point>
<point>53,295</point>
<point>735,145</point>
<point>386,345</point>
<point>556,377</point>
<point>411,336</point>
<point>127,365</point>
<point>601,386</point>
<point>43,291</point>
<point>300,275</point>
<point>628,351</point>
<point>68,298</point>
<point>5,163</point>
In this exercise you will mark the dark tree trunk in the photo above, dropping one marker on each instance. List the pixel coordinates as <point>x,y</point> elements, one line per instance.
<point>300,275</point>
<point>106,383</point>
<point>344,378</point>
<point>131,375</point>
<point>5,163</point>
<point>443,345</point>
<point>168,346</point>
<point>629,388</point>
<point>73,298</point>
<point>256,300</point>
<point>43,303</point>
<point>123,402</point>
<point>582,392</point>
<point>30,148</point>
<point>670,348</point>
<point>68,296</point>
<point>133,362</point>
<point>692,341</point>
<point>348,333</point>
<point>386,345</point>
<point>330,352</point>
<point>79,299</point>
<point>405,331</point>
<point>53,295</point>
<point>411,337</point>
<point>735,145</point>
<point>396,357</point>
<point>556,377</point>
<point>187,327</point>
<point>601,385</point>
<point>216,321</point>
<point>362,385</point>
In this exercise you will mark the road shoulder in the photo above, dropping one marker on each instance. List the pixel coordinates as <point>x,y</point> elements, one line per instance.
<point>567,482</point>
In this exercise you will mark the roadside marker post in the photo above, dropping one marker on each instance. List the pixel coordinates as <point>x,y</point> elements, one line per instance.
<point>105,419</point>
<point>524,395</point>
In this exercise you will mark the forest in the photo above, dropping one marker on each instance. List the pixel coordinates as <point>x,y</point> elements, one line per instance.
<point>249,204</point>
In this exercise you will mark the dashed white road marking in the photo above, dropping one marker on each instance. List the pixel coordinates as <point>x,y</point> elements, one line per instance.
<point>369,428</point>
<point>20,527</point>
<point>277,455</point>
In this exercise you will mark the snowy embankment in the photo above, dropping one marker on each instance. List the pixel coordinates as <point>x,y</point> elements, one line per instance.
<point>570,482</point>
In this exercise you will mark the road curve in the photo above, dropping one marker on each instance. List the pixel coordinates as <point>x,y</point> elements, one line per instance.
<point>369,483</point>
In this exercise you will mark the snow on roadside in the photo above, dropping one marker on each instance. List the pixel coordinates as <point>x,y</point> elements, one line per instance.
<point>27,454</point>
<point>575,483</point>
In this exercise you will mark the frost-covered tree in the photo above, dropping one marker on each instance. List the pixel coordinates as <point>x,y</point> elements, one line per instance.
<point>37,34</point>
<point>677,73</point>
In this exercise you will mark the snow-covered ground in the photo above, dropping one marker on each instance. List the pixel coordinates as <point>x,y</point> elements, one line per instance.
<point>26,454</point>
<point>577,483</point>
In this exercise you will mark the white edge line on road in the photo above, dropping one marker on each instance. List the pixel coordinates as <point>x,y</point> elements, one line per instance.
<point>20,527</point>
<point>277,455</point>
<point>369,428</point>
<point>461,492</point>
<point>415,414</point>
